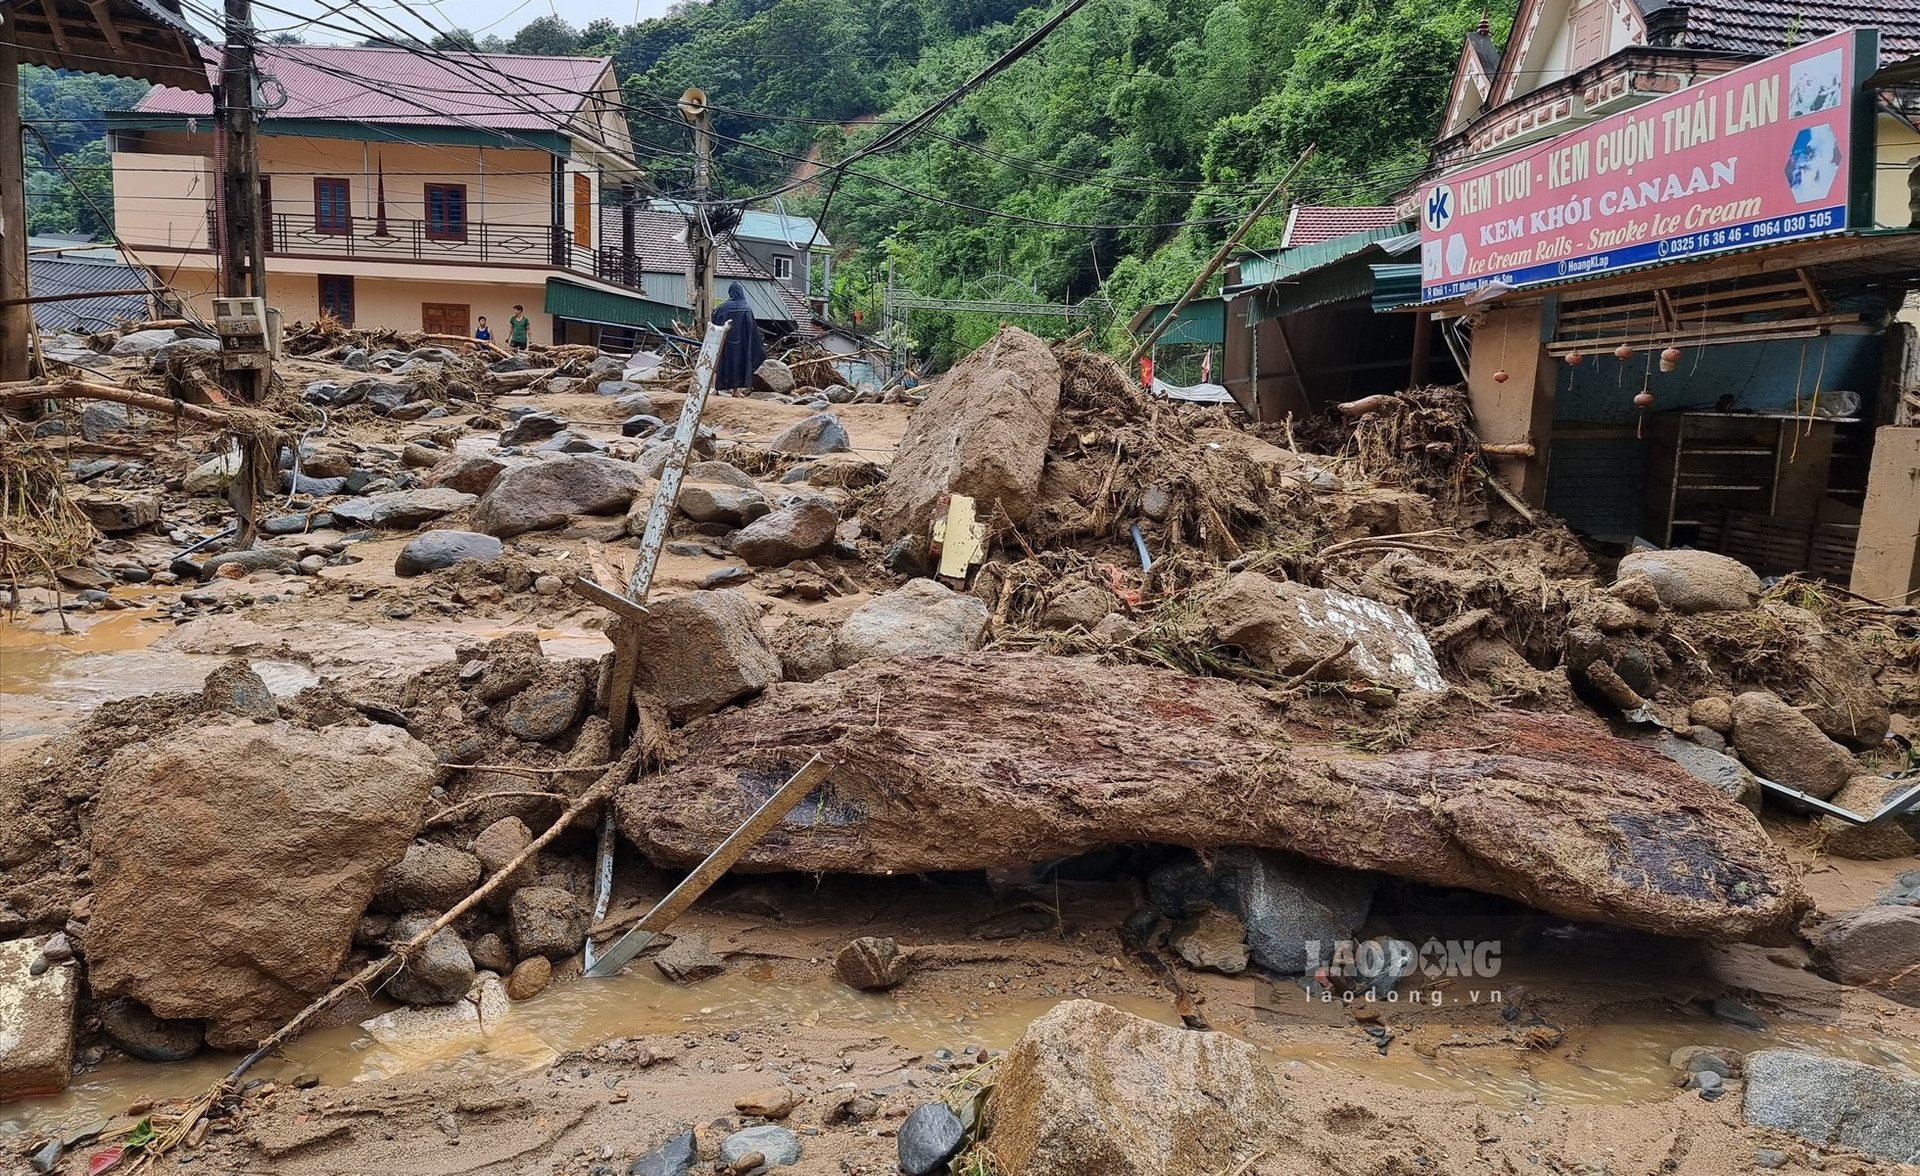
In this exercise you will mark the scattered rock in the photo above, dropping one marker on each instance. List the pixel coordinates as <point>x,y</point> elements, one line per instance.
<point>429,878</point>
<point>923,616</point>
<point>1876,947</point>
<point>1721,771</point>
<point>497,845</point>
<point>492,953</point>
<point>244,563</point>
<point>1694,581</point>
<point>774,1102</point>
<point>982,431</point>
<point>212,476</point>
<point>1894,837</point>
<point>1767,1157</point>
<point>549,705</point>
<point>439,972</point>
<point>544,495</point>
<point>1294,909</point>
<point>703,651</point>
<point>101,418</point>
<point>118,513</point>
<point>1287,628</point>
<point>290,829</point>
<point>775,377</point>
<point>1733,1012</point>
<point>870,963</point>
<point>687,961</point>
<point>469,473</point>
<point>529,977</point>
<point>928,1138</point>
<point>1835,1102</point>
<point>1212,940</point>
<point>777,1147</point>
<point>234,689</point>
<point>793,532</point>
<point>728,505</point>
<point>727,577</point>
<point>1689,1060</point>
<point>1078,606</point>
<point>805,648</point>
<point>402,510</point>
<point>818,434</point>
<point>1090,1088</point>
<point>36,1032</point>
<point>442,549</point>
<point>546,921</point>
<point>675,1157</point>
<point>721,473</point>
<point>1783,745</point>
<point>1824,677</point>
<point>532,428</point>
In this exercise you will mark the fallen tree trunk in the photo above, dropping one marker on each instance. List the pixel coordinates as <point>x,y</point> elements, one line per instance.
<point>12,394</point>
<point>513,381</point>
<point>989,760</point>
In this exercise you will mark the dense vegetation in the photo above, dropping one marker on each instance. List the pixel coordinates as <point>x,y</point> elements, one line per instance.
<point>69,178</point>
<point>1148,126</point>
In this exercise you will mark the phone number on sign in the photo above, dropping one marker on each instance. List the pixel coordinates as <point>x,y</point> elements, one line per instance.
<point>1799,224</point>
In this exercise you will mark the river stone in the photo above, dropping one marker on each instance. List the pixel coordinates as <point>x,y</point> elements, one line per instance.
<point>491,952</point>
<point>1694,581</point>
<point>439,972</point>
<point>402,510</point>
<point>929,1137</point>
<point>1876,947</point>
<point>982,431</point>
<point>773,1102</point>
<point>703,651</point>
<point>1724,773</point>
<point>429,878</point>
<point>727,505</point>
<point>442,549</point>
<point>721,473</point>
<point>687,961</point>
<point>469,473</point>
<point>1089,1088</point>
<point>1835,1102</point>
<point>675,1157</point>
<point>529,977</point>
<point>1294,908</point>
<point>101,418</point>
<point>1783,745</point>
<point>257,559</point>
<point>870,963</point>
<point>545,495</point>
<point>135,1031</point>
<point>777,1145</point>
<point>1211,940</point>
<point>234,689</point>
<point>36,1022</point>
<point>116,513</point>
<point>547,921</point>
<point>496,846</point>
<point>1288,628</point>
<point>800,531</point>
<point>289,830</point>
<point>818,434</point>
<point>922,616</point>
<point>533,427</point>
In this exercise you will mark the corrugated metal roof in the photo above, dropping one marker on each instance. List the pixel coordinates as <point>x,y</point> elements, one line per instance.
<point>1395,285</point>
<point>587,304</point>
<point>1204,320</point>
<point>1260,269</point>
<point>509,91</point>
<point>755,225</point>
<point>56,274</point>
<point>764,295</point>
<point>1343,277</point>
<point>1309,224</point>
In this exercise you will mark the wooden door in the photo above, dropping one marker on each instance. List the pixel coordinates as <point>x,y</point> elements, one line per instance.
<point>582,210</point>
<point>445,318</point>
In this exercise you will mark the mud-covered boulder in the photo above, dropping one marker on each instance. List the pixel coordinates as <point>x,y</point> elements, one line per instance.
<point>429,878</point>
<point>700,652</point>
<point>805,648</point>
<point>546,921</point>
<point>402,510</point>
<point>36,1036</point>
<point>117,512</point>
<point>1287,628</point>
<point>819,434</point>
<point>439,972</point>
<point>469,473</point>
<point>1783,745</point>
<point>982,431</point>
<point>1835,1102</point>
<point>1893,837</point>
<point>545,495</point>
<point>287,831</point>
<point>1090,1088</point>
<point>1876,947</point>
<point>1825,677</point>
<point>1694,581</point>
<point>923,616</point>
<point>799,531</point>
<point>442,549</point>
<point>1295,909</point>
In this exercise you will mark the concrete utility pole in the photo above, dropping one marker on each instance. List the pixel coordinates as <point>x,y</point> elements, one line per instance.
<point>16,315</point>
<point>243,266</point>
<point>701,248</point>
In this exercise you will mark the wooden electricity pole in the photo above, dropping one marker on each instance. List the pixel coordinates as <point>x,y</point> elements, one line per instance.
<point>243,265</point>
<point>700,244</point>
<point>16,316</point>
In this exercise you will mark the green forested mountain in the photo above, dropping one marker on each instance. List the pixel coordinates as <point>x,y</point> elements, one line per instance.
<point>69,179</point>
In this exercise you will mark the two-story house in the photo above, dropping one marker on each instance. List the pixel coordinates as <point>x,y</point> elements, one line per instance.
<point>788,247</point>
<point>403,190</point>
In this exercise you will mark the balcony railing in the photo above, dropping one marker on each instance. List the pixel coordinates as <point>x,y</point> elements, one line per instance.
<point>476,242</point>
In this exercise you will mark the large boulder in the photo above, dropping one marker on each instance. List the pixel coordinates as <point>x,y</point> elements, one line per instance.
<point>545,495</point>
<point>1875,947</point>
<point>116,513</point>
<point>1783,745</point>
<point>982,431</point>
<point>1893,837</point>
<point>402,510</point>
<point>469,473</point>
<point>429,878</point>
<point>36,1021</point>
<point>1044,757</point>
<point>287,830</point>
<point>1824,676</point>
<point>1295,909</point>
<point>812,437</point>
<point>700,652</point>
<point>924,616</point>
<point>1835,1103</point>
<point>546,921</point>
<point>730,506</point>
<point>775,377</point>
<point>799,531</point>
<point>1089,1088</point>
<point>1694,581</point>
<point>1287,628</point>
<point>442,549</point>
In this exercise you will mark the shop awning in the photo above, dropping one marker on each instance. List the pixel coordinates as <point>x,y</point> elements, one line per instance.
<point>590,304</point>
<point>1340,270</point>
<point>1396,286</point>
<point>1204,320</point>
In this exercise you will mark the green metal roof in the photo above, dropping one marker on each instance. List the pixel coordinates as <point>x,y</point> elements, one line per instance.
<point>1204,320</point>
<point>1395,286</point>
<point>1318,277</point>
<point>590,305</point>
<point>1260,269</point>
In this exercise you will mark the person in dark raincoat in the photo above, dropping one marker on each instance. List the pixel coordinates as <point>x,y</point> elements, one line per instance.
<point>744,351</point>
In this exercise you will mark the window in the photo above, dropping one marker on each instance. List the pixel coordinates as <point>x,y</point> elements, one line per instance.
<point>1587,35</point>
<point>582,210</point>
<point>444,318</point>
<point>782,267</point>
<point>447,212</point>
<point>336,296</point>
<point>332,207</point>
<point>266,213</point>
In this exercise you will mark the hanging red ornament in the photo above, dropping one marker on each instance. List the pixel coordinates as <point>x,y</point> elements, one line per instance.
<point>1669,359</point>
<point>1574,357</point>
<point>1624,351</point>
<point>1644,399</point>
<point>1500,377</point>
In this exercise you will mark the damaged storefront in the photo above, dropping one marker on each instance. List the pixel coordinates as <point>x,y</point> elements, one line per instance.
<point>1685,319</point>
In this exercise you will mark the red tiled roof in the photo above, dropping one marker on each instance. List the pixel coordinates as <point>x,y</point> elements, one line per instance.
<point>399,86</point>
<point>1311,223</point>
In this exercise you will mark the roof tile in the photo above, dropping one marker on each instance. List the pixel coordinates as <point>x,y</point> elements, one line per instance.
<point>1313,223</point>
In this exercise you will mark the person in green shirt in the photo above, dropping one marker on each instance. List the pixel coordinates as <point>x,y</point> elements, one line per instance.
<point>517,328</point>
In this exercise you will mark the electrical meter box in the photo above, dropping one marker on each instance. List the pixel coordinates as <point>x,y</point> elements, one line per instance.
<point>249,334</point>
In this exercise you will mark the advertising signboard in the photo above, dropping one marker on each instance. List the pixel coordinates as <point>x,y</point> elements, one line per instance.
<point>1764,153</point>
